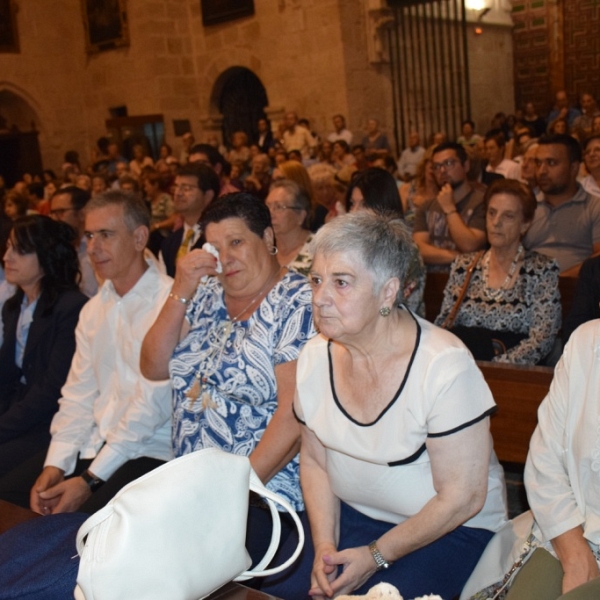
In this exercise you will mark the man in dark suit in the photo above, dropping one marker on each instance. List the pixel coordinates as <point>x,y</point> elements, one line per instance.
<point>196,184</point>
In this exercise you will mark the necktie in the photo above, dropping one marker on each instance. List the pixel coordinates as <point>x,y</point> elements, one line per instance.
<point>185,244</point>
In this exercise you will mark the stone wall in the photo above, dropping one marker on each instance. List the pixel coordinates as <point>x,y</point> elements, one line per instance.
<point>46,75</point>
<point>311,56</point>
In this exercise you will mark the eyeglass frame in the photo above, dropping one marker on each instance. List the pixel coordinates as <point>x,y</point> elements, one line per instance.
<point>282,207</point>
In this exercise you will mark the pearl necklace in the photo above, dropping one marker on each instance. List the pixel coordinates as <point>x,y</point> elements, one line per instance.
<point>200,380</point>
<point>497,293</point>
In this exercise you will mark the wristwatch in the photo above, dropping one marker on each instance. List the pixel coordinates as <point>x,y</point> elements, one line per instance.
<point>92,481</point>
<point>377,557</point>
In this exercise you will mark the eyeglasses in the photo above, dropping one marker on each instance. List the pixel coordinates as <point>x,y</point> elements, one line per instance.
<point>594,150</point>
<point>59,212</point>
<point>275,207</point>
<point>445,164</point>
<point>185,187</point>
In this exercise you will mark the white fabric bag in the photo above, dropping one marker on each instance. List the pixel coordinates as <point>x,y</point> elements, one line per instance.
<point>178,532</point>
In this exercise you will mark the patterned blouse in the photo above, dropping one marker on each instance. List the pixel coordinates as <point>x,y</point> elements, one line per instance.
<point>237,361</point>
<point>162,209</point>
<point>303,261</point>
<point>532,306</point>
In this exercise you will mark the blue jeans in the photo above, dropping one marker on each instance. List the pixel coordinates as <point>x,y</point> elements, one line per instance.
<point>441,567</point>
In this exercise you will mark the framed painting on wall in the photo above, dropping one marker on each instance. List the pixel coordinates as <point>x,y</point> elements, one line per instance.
<point>220,11</point>
<point>9,39</point>
<point>105,24</point>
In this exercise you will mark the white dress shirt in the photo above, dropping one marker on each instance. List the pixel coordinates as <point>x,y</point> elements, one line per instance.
<point>509,169</point>
<point>562,474</point>
<point>108,411</point>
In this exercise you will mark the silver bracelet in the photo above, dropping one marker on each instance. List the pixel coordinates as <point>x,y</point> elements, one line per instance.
<point>184,301</point>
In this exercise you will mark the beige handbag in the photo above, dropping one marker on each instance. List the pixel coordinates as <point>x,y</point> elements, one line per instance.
<point>501,560</point>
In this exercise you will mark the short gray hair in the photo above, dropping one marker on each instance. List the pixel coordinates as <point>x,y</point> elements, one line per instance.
<point>382,243</point>
<point>135,211</point>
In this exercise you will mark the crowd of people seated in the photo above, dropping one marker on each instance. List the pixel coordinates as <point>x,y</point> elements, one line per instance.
<point>267,298</point>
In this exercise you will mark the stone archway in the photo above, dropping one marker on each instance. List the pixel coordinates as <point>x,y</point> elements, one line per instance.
<point>239,95</point>
<point>19,145</point>
<point>17,111</point>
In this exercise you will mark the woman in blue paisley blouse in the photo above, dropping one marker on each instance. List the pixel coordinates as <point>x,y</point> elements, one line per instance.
<point>511,309</point>
<point>228,337</point>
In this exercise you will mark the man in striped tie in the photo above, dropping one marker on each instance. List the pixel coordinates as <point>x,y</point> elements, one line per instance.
<point>196,185</point>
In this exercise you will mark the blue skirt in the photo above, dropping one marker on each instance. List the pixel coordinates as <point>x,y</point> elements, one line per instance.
<point>441,567</point>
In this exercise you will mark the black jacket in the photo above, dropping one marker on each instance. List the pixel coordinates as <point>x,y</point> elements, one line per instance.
<point>46,362</point>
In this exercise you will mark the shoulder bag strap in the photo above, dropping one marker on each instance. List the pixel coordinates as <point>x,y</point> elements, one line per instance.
<point>449,321</point>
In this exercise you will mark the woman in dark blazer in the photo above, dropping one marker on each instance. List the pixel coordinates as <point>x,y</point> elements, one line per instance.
<point>39,333</point>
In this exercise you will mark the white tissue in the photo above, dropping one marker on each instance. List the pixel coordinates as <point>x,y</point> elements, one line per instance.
<point>212,250</point>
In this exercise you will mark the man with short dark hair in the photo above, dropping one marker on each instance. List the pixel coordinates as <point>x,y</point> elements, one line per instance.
<point>454,221</point>
<point>340,131</point>
<point>206,154</point>
<point>296,137</point>
<point>566,224</point>
<point>411,157</point>
<point>562,110</point>
<point>67,205</point>
<point>495,146</point>
<point>112,425</point>
<point>196,185</point>
<point>582,125</point>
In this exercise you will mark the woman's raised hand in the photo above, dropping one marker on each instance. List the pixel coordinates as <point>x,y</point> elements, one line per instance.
<point>191,268</point>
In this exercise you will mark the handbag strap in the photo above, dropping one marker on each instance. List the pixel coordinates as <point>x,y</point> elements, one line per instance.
<point>256,485</point>
<point>90,523</point>
<point>449,320</point>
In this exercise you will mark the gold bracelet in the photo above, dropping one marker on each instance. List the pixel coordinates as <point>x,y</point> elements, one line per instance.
<point>184,301</point>
<point>451,212</point>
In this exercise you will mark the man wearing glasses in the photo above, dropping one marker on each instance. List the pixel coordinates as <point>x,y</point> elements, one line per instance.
<point>454,221</point>
<point>67,205</point>
<point>112,425</point>
<point>196,184</point>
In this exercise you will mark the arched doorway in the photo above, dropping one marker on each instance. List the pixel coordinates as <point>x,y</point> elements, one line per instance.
<point>241,98</point>
<point>19,146</point>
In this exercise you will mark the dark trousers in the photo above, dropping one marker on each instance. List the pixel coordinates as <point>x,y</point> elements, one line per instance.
<point>441,567</point>
<point>16,486</point>
<point>16,451</point>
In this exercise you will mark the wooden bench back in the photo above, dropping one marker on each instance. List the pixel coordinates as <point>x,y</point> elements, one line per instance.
<point>436,282</point>
<point>518,391</point>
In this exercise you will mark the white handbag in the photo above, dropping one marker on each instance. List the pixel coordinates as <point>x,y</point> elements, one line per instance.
<point>178,532</point>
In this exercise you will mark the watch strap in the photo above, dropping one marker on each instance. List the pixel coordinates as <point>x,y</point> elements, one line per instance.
<point>378,557</point>
<point>92,481</point>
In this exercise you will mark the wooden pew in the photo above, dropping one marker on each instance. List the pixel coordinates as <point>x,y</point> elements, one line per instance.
<point>518,391</point>
<point>436,282</point>
<point>434,294</point>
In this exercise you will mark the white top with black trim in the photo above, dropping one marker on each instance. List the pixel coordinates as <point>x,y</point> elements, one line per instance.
<point>382,469</point>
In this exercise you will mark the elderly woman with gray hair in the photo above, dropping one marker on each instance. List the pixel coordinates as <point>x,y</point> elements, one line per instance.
<point>398,473</point>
